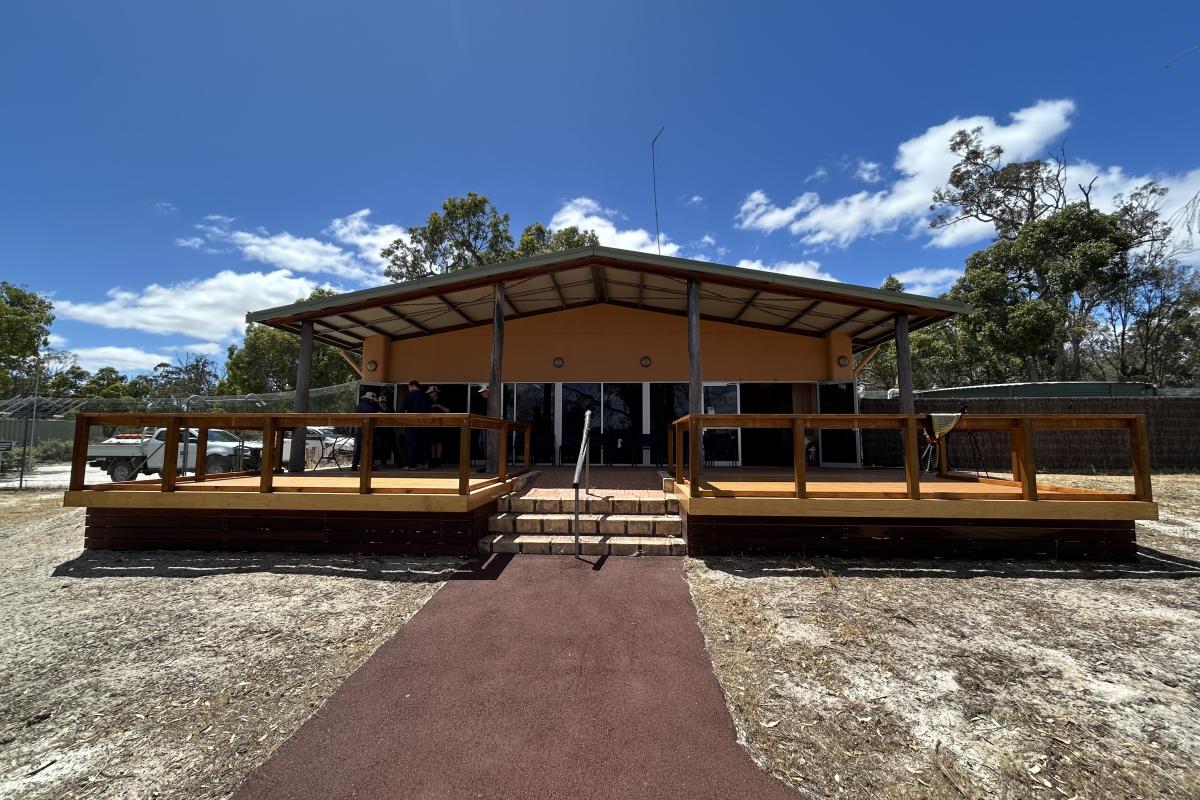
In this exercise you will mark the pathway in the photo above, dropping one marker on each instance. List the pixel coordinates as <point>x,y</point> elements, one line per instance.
<point>535,677</point>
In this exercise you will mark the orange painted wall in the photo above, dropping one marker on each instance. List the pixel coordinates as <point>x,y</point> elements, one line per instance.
<point>604,342</point>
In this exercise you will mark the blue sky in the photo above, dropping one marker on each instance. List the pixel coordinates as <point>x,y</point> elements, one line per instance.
<point>166,167</point>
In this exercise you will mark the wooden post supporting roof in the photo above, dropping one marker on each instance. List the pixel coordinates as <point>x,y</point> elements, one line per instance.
<point>495,403</point>
<point>301,403</point>
<point>695,372</point>
<point>904,365</point>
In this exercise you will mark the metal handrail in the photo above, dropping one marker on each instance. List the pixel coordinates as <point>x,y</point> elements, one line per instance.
<point>583,463</point>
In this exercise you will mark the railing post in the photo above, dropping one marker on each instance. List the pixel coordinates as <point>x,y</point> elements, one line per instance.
<point>1023,459</point>
<point>170,455</point>
<point>800,457</point>
<point>1139,445</point>
<point>502,462</point>
<point>528,445</point>
<point>266,461</point>
<point>671,449</point>
<point>678,453</point>
<point>83,429</point>
<point>695,431</point>
<point>279,438</point>
<point>201,452</point>
<point>366,456</point>
<point>912,458</point>
<point>464,456</point>
<point>943,451</point>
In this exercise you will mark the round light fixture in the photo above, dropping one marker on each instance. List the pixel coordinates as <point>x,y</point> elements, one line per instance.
<point>645,361</point>
<point>558,362</point>
<point>843,361</point>
<point>372,366</point>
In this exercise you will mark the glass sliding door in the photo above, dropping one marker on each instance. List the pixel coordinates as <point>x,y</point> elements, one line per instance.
<point>722,446</point>
<point>622,425</point>
<point>668,402</point>
<point>838,448</point>
<point>535,404</point>
<point>578,398</point>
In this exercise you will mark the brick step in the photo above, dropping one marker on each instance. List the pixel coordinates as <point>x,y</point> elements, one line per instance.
<point>596,524</point>
<point>545,544</point>
<point>515,503</point>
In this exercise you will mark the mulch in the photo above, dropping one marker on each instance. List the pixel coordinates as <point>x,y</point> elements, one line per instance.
<point>530,677</point>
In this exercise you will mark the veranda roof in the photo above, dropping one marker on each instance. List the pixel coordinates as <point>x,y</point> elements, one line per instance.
<point>590,275</point>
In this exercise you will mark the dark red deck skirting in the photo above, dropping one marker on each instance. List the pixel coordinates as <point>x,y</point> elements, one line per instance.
<point>911,538</point>
<point>408,533</point>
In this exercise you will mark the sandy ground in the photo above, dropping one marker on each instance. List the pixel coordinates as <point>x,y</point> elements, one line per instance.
<point>161,674</point>
<point>938,679</point>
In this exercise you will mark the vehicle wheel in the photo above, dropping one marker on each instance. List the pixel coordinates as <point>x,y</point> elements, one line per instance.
<point>219,464</point>
<point>122,471</point>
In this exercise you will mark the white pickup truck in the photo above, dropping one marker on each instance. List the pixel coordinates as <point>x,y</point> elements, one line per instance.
<point>127,455</point>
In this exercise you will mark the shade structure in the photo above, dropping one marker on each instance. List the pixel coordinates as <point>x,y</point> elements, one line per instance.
<point>591,275</point>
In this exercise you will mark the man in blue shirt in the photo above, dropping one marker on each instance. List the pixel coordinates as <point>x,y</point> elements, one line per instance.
<point>416,440</point>
<point>368,404</point>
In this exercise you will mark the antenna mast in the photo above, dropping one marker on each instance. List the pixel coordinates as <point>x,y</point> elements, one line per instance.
<point>654,182</point>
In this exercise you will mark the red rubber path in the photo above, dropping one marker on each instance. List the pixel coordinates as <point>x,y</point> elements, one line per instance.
<point>550,679</point>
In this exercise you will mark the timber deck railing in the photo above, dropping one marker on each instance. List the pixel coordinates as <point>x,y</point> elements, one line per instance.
<point>1019,427</point>
<point>273,428</point>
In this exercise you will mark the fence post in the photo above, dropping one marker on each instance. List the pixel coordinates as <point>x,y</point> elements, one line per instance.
<point>266,461</point>
<point>366,456</point>
<point>1139,443</point>
<point>502,462</point>
<point>201,452</point>
<point>528,444</point>
<point>170,455</point>
<point>464,456</point>
<point>695,431</point>
<point>1023,459</point>
<point>912,458</point>
<point>800,457</point>
<point>83,428</point>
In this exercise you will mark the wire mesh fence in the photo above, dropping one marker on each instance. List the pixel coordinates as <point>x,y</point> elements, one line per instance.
<point>36,433</point>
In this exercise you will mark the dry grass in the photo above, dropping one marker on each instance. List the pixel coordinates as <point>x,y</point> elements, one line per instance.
<point>137,675</point>
<point>936,679</point>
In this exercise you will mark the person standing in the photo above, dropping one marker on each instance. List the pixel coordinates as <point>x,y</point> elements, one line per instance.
<point>436,434</point>
<point>416,439</point>
<point>367,404</point>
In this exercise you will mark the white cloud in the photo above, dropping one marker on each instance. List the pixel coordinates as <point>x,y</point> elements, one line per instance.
<point>165,208</point>
<point>368,239</point>
<point>802,269</point>
<point>123,359</point>
<point>297,253</point>
<point>211,309</point>
<point>930,281</point>
<point>56,341</point>
<point>586,214</point>
<point>760,214</point>
<point>923,163</point>
<point>819,174</point>
<point>868,171</point>
<point>693,200</point>
<point>194,242</point>
<point>220,219</point>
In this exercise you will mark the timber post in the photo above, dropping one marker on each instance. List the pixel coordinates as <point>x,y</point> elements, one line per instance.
<point>695,368</point>
<point>904,376</point>
<point>495,403</point>
<point>301,404</point>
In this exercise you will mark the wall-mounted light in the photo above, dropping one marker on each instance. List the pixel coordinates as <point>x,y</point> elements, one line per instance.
<point>558,362</point>
<point>372,366</point>
<point>843,361</point>
<point>645,361</point>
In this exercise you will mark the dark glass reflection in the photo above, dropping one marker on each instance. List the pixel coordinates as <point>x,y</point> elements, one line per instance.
<point>622,423</point>
<point>838,446</point>
<point>577,399</point>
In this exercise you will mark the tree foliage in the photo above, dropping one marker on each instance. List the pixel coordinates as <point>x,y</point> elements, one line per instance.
<point>25,319</point>
<point>470,232</point>
<point>266,361</point>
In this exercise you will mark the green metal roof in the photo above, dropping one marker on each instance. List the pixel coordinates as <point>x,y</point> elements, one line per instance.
<point>589,275</point>
<point>1045,389</point>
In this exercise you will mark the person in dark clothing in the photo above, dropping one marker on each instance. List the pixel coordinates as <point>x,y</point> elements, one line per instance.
<point>436,434</point>
<point>417,439</point>
<point>385,439</point>
<point>368,404</point>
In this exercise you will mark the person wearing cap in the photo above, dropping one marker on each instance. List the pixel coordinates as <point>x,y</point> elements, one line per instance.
<point>367,404</point>
<point>436,434</point>
<point>416,440</point>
